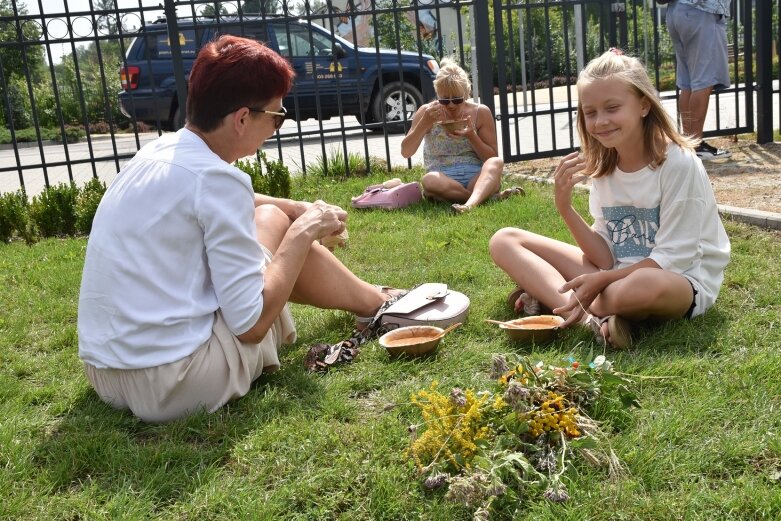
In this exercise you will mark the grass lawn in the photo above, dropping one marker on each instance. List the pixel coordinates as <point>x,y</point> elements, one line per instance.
<point>704,445</point>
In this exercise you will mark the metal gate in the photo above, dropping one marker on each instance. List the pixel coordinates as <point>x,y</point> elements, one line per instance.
<point>542,45</point>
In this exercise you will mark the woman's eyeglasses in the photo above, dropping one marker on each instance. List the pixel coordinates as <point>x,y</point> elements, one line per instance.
<point>279,117</point>
<point>447,101</point>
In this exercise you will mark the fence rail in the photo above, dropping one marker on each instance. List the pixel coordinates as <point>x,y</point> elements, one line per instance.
<point>59,74</point>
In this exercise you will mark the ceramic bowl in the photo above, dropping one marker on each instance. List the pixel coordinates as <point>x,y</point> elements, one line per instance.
<point>537,329</point>
<point>453,124</point>
<point>411,340</point>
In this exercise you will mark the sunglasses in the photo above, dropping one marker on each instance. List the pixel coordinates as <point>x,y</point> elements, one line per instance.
<point>447,101</point>
<point>279,117</point>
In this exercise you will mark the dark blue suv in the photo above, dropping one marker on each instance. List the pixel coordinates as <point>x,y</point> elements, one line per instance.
<point>332,75</point>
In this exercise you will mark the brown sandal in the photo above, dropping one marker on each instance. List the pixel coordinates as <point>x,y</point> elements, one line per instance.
<point>530,305</point>
<point>619,329</point>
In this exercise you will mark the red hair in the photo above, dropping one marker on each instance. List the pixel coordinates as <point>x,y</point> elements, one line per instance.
<point>233,72</point>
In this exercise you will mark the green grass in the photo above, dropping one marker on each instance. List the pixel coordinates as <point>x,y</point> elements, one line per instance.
<point>705,444</point>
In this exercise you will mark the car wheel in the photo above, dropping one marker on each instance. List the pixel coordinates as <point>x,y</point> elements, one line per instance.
<point>391,105</point>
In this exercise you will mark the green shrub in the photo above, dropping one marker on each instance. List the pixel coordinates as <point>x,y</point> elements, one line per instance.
<point>72,134</point>
<point>335,165</point>
<point>274,182</point>
<point>53,212</point>
<point>87,202</point>
<point>14,216</point>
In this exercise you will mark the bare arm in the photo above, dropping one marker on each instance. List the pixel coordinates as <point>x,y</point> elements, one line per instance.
<point>422,121</point>
<point>482,136</point>
<point>293,209</point>
<point>567,175</point>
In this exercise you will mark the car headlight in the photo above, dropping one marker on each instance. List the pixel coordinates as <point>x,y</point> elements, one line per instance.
<point>433,66</point>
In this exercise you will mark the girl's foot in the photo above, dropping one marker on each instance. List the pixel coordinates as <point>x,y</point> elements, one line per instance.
<point>612,330</point>
<point>524,304</point>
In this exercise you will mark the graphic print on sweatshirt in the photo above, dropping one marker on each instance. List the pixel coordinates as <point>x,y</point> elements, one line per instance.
<point>632,231</point>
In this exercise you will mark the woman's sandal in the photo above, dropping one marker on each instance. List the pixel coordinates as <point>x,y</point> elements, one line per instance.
<point>320,357</point>
<point>619,329</point>
<point>362,322</point>
<point>508,192</point>
<point>529,305</point>
<point>459,209</point>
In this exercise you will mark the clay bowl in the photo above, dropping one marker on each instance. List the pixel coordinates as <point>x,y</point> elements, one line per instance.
<point>412,340</point>
<point>453,124</point>
<point>538,329</point>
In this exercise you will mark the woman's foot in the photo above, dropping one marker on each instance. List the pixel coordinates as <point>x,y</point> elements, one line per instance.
<point>508,192</point>
<point>390,294</point>
<point>460,208</point>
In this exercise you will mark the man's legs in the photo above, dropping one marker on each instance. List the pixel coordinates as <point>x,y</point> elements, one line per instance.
<point>693,107</point>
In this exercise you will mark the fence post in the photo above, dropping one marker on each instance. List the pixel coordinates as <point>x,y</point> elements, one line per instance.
<point>764,85</point>
<point>483,41</point>
<point>176,56</point>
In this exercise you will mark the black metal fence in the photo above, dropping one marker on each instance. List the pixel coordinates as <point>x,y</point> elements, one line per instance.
<point>81,90</point>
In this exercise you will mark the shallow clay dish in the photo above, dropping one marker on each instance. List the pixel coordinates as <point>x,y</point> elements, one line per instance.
<point>537,328</point>
<point>453,124</point>
<point>411,340</point>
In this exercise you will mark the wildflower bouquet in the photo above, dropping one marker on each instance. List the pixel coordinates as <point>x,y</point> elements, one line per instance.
<point>494,448</point>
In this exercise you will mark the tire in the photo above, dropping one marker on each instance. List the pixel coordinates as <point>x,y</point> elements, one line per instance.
<point>387,106</point>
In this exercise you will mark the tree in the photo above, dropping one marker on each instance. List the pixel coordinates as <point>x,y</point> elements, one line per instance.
<point>260,6</point>
<point>20,63</point>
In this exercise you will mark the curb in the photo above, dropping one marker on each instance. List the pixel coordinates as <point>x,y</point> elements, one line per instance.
<point>767,220</point>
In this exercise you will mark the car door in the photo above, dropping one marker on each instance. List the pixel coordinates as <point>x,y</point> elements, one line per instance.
<point>320,76</point>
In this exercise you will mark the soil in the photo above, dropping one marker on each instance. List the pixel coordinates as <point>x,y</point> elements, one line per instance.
<point>750,179</point>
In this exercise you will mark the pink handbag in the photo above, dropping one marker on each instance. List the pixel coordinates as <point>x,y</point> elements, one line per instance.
<point>377,196</point>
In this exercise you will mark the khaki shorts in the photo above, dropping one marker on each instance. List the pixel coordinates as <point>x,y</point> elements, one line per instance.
<point>220,370</point>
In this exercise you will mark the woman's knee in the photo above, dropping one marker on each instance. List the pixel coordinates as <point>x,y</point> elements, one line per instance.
<point>495,163</point>
<point>271,224</point>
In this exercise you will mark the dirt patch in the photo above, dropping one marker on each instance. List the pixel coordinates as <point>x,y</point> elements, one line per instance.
<point>751,178</point>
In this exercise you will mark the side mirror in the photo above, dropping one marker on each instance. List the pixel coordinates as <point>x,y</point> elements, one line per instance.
<point>338,51</point>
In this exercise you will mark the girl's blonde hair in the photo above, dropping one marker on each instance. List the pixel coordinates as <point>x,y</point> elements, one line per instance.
<point>453,78</point>
<point>658,127</point>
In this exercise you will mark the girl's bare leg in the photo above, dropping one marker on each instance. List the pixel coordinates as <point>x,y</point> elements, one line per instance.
<point>538,264</point>
<point>646,293</point>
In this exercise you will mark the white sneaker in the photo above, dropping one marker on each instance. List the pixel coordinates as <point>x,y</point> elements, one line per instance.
<point>706,152</point>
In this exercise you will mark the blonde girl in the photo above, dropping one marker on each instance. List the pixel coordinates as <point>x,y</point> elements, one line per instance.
<point>461,160</point>
<point>656,248</point>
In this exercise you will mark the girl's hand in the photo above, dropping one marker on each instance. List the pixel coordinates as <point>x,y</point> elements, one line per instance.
<point>566,176</point>
<point>584,290</point>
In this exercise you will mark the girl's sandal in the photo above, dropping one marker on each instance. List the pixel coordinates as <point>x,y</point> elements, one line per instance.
<point>529,305</point>
<point>618,328</point>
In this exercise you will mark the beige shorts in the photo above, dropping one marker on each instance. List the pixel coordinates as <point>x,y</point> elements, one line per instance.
<point>221,369</point>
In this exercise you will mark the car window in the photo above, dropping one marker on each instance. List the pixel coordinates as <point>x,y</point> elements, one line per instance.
<point>255,31</point>
<point>157,45</point>
<point>300,40</point>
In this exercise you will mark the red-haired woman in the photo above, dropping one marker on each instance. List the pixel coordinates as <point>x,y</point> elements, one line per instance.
<point>188,273</point>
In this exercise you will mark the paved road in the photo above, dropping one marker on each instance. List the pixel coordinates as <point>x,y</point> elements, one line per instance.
<point>527,135</point>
